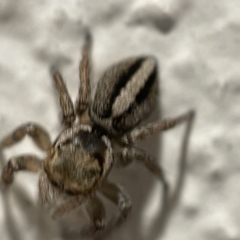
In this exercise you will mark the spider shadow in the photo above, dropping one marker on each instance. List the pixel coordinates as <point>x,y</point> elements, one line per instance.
<point>171,202</point>
<point>10,226</point>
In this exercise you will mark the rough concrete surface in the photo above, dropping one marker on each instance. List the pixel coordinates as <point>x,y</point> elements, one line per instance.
<point>197,44</point>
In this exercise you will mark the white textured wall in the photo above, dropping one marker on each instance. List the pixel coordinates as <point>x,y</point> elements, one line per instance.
<point>197,43</point>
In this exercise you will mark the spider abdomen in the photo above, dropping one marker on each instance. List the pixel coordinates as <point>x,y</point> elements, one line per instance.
<point>125,95</point>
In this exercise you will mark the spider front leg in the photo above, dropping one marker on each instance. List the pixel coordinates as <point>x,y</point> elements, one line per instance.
<point>96,212</point>
<point>37,133</point>
<point>68,205</point>
<point>24,162</point>
<point>68,114</point>
<point>84,76</point>
<point>121,199</point>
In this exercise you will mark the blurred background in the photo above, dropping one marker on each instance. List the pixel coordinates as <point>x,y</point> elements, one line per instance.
<point>197,44</point>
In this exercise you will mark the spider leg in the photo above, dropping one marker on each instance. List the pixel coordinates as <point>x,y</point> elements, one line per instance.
<point>130,154</point>
<point>68,205</point>
<point>84,75</point>
<point>24,162</point>
<point>37,133</point>
<point>96,212</point>
<point>143,132</point>
<point>121,199</point>
<point>68,115</point>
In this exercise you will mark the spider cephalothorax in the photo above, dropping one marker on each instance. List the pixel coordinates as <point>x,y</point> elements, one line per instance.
<point>78,162</point>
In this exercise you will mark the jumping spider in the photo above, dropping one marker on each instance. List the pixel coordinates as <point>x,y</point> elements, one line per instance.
<point>78,162</point>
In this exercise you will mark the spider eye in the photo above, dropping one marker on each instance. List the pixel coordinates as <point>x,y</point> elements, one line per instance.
<point>59,146</point>
<point>76,141</point>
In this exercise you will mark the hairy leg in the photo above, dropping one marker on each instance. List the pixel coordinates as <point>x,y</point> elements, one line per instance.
<point>130,154</point>
<point>38,134</point>
<point>25,162</point>
<point>68,205</point>
<point>68,115</point>
<point>96,212</point>
<point>121,199</point>
<point>152,128</point>
<point>84,75</point>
